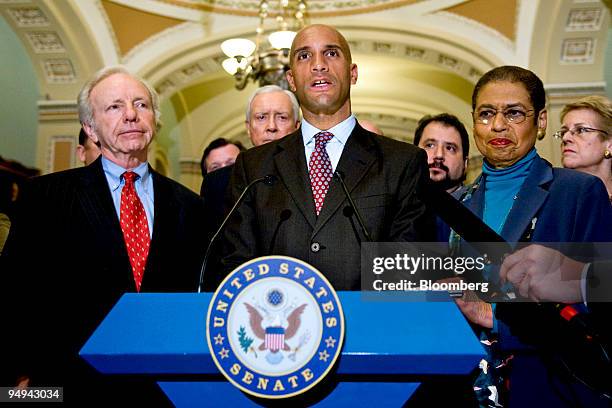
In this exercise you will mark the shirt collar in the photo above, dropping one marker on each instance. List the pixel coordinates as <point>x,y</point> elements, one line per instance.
<point>113,173</point>
<point>341,131</point>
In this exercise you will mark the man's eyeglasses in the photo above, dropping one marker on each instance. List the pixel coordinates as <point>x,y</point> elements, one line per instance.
<point>577,131</point>
<point>486,116</point>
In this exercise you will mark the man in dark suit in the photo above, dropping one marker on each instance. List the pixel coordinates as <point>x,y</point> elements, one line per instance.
<point>314,223</point>
<point>447,144</point>
<point>271,113</point>
<point>219,153</point>
<point>84,237</point>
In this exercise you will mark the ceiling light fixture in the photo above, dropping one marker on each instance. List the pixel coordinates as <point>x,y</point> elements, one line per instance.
<point>267,63</point>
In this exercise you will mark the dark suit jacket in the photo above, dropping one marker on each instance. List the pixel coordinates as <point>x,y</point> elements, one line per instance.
<point>384,177</point>
<point>214,191</point>
<point>67,265</point>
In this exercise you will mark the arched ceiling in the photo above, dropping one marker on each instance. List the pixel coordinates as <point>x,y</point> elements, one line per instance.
<point>317,8</point>
<point>415,56</point>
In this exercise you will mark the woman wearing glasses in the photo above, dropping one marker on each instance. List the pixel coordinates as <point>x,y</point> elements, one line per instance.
<point>586,142</point>
<point>523,198</point>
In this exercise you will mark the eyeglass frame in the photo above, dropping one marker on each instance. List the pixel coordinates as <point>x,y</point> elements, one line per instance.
<point>497,111</point>
<point>559,134</point>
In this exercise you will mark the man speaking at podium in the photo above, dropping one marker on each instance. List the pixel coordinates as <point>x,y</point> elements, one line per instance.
<point>305,213</point>
<point>83,237</point>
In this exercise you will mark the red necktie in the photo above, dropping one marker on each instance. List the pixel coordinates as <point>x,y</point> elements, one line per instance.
<point>135,227</point>
<point>320,169</point>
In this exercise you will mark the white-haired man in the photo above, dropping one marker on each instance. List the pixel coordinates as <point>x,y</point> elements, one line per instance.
<point>85,236</point>
<point>272,113</point>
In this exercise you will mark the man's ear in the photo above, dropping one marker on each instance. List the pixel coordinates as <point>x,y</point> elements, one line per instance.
<point>354,74</point>
<point>89,131</point>
<point>289,76</point>
<point>80,151</point>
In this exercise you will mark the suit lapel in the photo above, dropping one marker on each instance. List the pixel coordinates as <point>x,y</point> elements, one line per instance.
<point>357,157</point>
<point>290,162</point>
<point>162,201</point>
<point>531,197</point>
<point>165,222</point>
<point>476,202</point>
<point>96,201</point>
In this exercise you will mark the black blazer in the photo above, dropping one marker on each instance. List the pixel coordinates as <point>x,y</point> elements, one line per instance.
<point>214,191</point>
<point>384,177</point>
<point>66,263</point>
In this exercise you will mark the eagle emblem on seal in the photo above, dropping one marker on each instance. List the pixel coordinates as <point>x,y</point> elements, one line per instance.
<point>274,334</point>
<point>275,327</point>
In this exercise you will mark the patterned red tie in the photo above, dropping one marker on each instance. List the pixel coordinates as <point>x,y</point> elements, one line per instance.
<point>135,227</point>
<point>320,169</point>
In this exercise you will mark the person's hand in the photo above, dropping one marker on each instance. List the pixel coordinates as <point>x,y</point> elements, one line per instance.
<point>473,308</point>
<point>542,273</point>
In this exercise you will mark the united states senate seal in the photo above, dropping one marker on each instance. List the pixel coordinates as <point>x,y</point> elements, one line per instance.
<point>275,327</point>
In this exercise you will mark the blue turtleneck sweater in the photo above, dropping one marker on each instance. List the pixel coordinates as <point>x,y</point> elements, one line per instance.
<point>501,186</point>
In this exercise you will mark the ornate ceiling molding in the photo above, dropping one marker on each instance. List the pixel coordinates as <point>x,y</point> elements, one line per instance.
<point>585,19</point>
<point>560,94</point>
<point>413,49</point>
<point>44,42</point>
<point>28,16</point>
<point>59,71</point>
<point>42,39</point>
<point>50,111</point>
<point>316,8</point>
<point>582,27</point>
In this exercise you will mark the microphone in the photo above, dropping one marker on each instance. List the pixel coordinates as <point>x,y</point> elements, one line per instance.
<point>340,177</point>
<point>268,180</point>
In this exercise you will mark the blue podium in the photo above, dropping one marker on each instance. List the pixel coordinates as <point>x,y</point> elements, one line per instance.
<point>389,346</point>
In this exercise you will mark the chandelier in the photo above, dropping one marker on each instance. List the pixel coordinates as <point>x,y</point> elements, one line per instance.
<point>265,63</point>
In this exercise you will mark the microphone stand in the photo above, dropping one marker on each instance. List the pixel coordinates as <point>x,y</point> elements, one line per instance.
<point>339,177</point>
<point>268,180</point>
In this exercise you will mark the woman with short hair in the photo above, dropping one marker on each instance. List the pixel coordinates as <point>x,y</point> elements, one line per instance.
<point>524,199</point>
<point>586,142</point>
